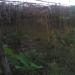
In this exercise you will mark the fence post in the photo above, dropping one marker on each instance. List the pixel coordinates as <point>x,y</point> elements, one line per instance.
<point>4,61</point>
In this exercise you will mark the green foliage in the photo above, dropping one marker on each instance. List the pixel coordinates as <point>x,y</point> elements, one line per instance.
<point>11,38</point>
<point>57,54</point>
<point>20,61</point>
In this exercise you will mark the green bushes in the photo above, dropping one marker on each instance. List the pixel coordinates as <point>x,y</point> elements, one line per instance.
<point>20,60</point>
<point>56,55</point>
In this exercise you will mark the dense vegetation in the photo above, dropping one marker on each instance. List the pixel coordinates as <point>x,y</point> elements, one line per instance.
<point>37,40</point>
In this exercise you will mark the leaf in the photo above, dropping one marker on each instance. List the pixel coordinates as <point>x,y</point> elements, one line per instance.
<point>18,67</point>
<point>20,61</point>
<point>8,51</point>
<point>36,66</point>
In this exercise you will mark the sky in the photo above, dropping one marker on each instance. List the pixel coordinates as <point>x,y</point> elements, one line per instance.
<point>63,2</point>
